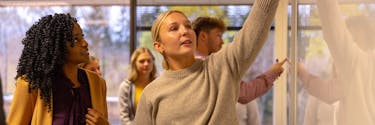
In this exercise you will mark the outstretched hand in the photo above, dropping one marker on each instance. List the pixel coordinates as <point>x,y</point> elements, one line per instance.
<point>278,67</point>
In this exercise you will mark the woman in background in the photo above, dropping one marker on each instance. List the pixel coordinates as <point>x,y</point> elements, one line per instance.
<point>142,72</point>
<point>92,65</point>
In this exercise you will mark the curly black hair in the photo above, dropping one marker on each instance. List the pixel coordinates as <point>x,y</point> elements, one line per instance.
<point>44,53</point>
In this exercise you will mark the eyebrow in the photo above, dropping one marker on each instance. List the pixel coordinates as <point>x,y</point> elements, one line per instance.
<point>187,21</point>
<point>174,23</point>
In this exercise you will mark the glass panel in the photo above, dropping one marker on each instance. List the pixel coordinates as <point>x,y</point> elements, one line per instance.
<point>233,16</point>
<point>336,67</point>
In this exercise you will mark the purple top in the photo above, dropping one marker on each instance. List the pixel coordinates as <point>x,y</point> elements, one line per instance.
<point>70,104</point>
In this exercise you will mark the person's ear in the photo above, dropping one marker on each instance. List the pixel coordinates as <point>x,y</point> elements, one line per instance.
<point>202,36</point>
<point>159,47</point>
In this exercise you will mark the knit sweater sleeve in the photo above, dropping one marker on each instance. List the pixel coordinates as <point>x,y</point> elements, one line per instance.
<point>241,53</point>
<point>326,90</point>
<point>336,34</point>
<point>125,103</point>
<point>257,87</point>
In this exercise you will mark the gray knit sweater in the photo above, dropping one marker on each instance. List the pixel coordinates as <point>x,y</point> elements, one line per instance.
<point>206,93</point>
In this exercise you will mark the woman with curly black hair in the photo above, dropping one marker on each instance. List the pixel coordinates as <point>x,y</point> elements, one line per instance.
<point>50,88</point>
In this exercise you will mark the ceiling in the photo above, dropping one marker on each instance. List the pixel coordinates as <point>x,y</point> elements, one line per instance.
<point>141,2</point>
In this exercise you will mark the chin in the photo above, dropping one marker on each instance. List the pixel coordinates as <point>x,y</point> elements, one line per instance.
<point>188,51</point>
<point>85,60</point>
<point>187,54</point>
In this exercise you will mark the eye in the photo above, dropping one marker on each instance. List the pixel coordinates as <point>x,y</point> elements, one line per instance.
<point>173,28</point>
<point>75,40</point>
<point>188,26</point>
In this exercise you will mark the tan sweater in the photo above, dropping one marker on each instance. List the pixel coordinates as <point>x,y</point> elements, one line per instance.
<point>206,93</point>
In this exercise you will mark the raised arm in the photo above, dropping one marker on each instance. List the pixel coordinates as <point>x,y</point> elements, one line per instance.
<point>247,43</point>
<point>336,34</point>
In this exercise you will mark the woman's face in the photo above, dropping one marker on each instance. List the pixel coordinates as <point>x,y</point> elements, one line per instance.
<point>94,66</point>
<point>79,52</point>
<point>177,38</point>
<point>144,63</point>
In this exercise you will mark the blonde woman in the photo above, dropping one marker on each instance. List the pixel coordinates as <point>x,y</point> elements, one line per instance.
<point>142,72</point>
<point>200,92</point>
<point>92,65</point>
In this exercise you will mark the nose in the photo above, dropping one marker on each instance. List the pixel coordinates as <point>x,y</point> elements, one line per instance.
<point>221,43</point>
<point>84,43</point>
<point>146,63</point>
<point>98,71</point>
<point>184,30</point>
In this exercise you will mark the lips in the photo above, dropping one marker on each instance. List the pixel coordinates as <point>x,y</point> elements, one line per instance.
<point>187,42</point>
<point>85,53</point>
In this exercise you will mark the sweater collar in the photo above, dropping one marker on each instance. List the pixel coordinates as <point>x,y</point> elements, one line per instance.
<point>183,72</point>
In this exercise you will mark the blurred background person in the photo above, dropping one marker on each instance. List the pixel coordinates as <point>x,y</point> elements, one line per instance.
<point>92,65</point>
<point>142,72</point>
<point>2,113</point>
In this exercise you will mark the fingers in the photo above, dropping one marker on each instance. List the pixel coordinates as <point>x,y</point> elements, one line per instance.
<point>92,117</point>
<point>284,60</point>
<point>88,122</point>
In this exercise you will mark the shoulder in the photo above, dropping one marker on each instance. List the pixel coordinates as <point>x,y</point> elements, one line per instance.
<point>92,75</point>
<point>21,81</point>
<point>125,84</point>
<point>155,85</point>
<point>95,79</point>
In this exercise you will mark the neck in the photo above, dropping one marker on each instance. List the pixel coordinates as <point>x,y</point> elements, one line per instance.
<point>71,71</point>
<point>143,80</point>
<point>202,50</point>
<point>199,54</point>
<point>180,63</point>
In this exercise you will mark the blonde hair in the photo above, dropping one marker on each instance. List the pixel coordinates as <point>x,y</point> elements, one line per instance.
<point>133,65</point>
<point>91,59</point>
<point>156,28</point>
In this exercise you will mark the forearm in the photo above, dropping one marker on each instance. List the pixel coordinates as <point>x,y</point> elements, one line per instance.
<point>256,88</point>
<point>327,90</point>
